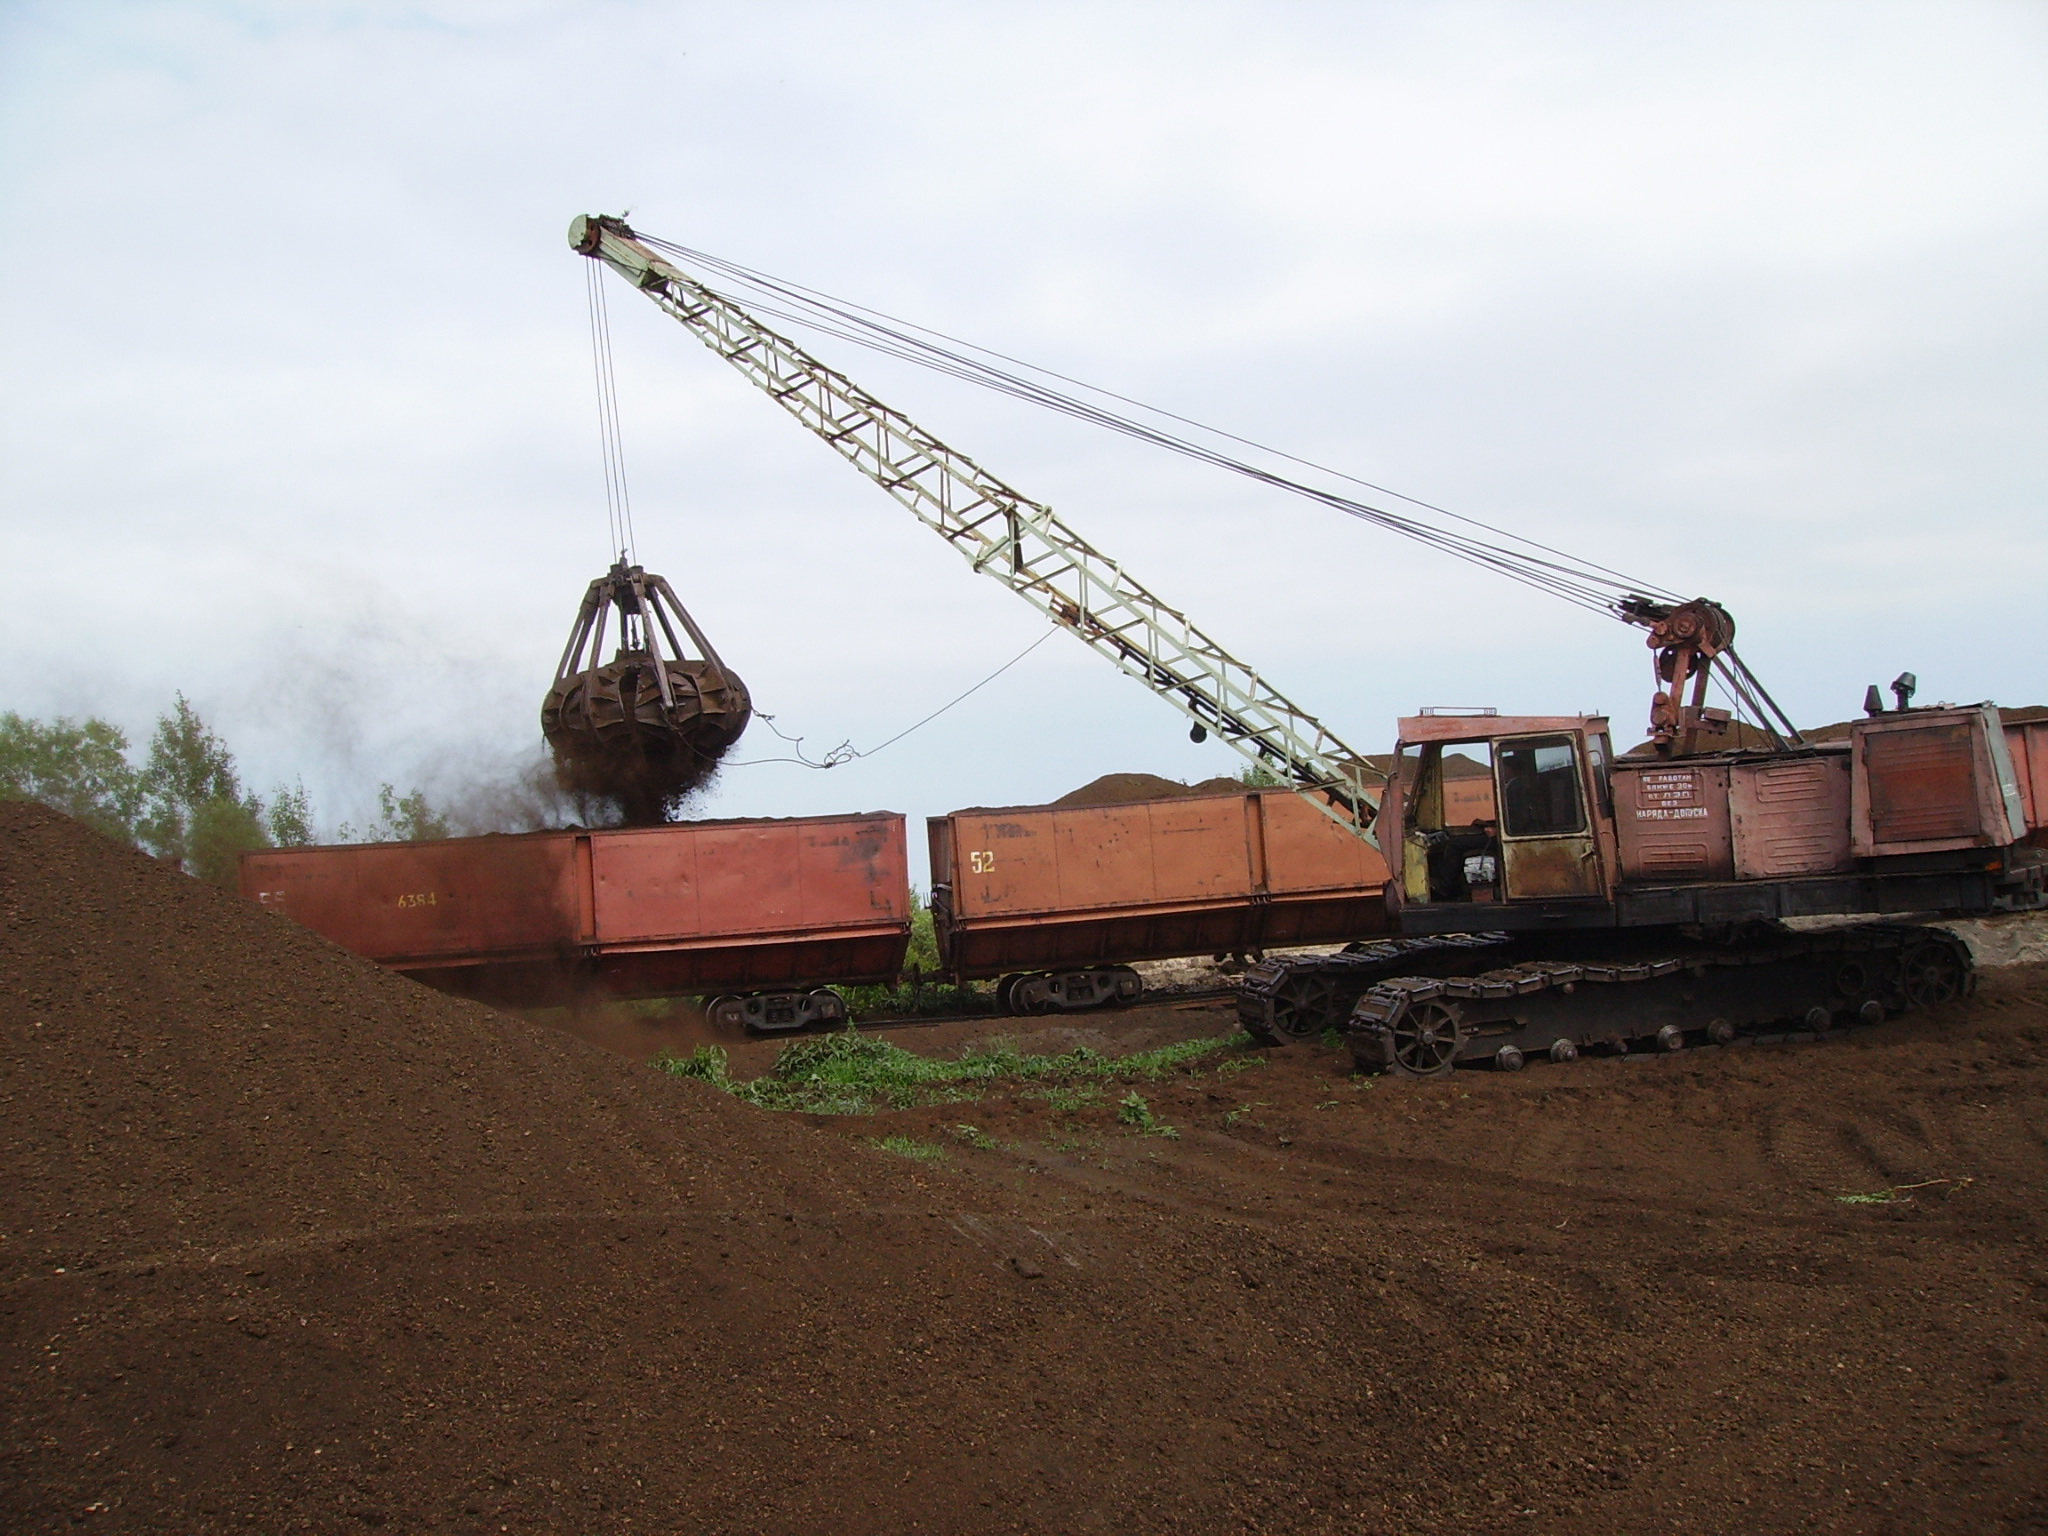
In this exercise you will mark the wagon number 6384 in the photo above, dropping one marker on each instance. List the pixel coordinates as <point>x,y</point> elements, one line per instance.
<point>981,863</point>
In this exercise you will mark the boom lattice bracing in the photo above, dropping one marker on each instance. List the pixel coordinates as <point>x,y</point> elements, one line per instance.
<point>1004,535</point>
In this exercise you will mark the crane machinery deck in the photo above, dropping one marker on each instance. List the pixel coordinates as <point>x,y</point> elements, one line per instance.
<point>1604,900</point>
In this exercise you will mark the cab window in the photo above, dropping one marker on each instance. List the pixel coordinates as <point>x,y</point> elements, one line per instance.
<point>1539,788</point>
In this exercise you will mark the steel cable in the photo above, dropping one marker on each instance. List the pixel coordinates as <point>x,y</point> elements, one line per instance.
<point>846,752</point>
<point>618,499</point>
<point>1585,583</point>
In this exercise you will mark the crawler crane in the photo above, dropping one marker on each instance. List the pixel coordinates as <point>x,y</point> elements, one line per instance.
<point>1596,900</point>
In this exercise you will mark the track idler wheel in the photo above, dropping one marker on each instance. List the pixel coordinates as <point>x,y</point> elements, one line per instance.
<point>1303,1005</point>
<point>1932,973</point>
<point>1425,1039</point>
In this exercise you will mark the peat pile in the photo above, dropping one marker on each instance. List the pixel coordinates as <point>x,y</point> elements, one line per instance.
<point>1124,788</point>
<point>288,1242</point>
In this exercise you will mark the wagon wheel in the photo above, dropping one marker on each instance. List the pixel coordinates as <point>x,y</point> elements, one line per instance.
<point>1931,974</point>
<point>1304,1005</point>
<point>1424,1040</point>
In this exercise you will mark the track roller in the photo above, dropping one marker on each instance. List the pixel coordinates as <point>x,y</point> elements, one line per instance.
<point>1670,1038</point>
<point>1819,1020</point>
<point>1871,1012</point>
<point>1720,1032</point>
<point>1508,1059</point>
<point>1562,1051</point>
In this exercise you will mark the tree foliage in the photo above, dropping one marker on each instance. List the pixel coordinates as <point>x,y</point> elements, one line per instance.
<point>290,817</point>
<point>195,812</point>
<point>186,802</point>
<point>400,819</point>
<point>79,768</point>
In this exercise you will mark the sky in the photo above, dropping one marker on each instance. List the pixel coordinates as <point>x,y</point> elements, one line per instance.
<point>297,414</point>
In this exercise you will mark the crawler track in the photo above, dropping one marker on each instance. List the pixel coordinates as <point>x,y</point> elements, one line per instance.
<point>1297,997</point>
<point>1423,1025</point>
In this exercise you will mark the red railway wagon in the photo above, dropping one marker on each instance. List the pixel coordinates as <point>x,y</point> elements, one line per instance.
<point>771,910</point>
<point>1055,898</point>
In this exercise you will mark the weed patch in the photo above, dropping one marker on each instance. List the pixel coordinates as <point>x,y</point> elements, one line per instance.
<point>1068,1101</point>
<point>848,1073</point>
<point>1132,1110</point>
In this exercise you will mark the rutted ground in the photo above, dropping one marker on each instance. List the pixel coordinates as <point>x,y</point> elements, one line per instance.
<point>287,1242</point>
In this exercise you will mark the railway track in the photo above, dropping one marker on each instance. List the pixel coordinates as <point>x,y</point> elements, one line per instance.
<point>1150,1000</point>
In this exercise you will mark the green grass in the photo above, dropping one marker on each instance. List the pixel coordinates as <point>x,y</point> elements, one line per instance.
<point>1067,1101</point>
<point>975,1137</point>
<point>848,1073</point>
<point>910,1147</point>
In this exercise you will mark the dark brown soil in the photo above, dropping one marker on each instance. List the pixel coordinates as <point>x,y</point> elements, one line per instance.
<point>1123,788</point>
<point>289,1243</point>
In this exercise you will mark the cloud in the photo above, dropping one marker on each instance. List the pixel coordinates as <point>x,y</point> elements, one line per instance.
<point>297,414</point>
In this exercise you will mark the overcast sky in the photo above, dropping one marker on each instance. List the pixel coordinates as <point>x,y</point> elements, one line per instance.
<point>298,415</point>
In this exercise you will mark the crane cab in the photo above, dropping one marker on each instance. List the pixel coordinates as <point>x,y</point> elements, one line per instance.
<point>1501,821</point>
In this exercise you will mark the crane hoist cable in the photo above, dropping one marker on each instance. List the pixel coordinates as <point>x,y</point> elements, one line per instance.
<point>1585,583</point>
<point>618,500</point>
<point>1675,625</point>
<point>1031,550</point>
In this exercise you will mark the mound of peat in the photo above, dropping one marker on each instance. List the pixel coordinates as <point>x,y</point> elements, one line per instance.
<point>286,1242</point>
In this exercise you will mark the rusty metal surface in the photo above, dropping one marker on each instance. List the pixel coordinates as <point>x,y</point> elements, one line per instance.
<point>815,875</point>
<point>432,902</point>
<point>691,907</point>
<point>2028,745</point>
<point>1539,868</point>
<point>1790,817</point>
<point>1672,820</point>
<point>1045,887</point>
<point>649,725</point>
<point>1927,781</point>
<point>1418,729</point>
